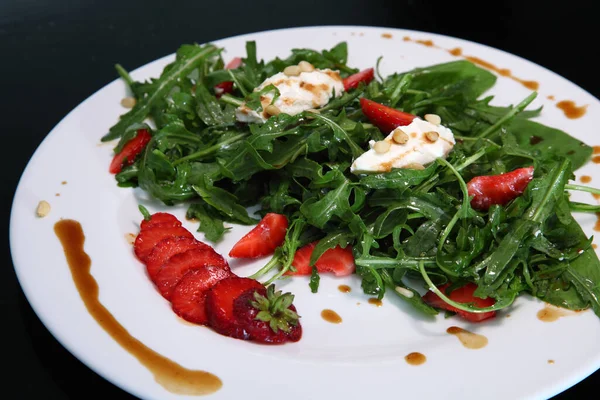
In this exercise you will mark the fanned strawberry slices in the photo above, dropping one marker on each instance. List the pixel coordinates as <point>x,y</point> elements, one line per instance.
<point>203,290</point>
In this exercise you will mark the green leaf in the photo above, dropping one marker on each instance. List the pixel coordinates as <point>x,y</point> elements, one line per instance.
<point>314,280</point>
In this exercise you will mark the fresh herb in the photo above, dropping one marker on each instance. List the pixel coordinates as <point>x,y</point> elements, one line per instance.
<point>410,230</point>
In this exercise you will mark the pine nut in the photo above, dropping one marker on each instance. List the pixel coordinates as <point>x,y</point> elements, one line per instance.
<point>128,102</point>
<point>433,118</point>
<point>400,136</point>
<point>272,110</point>
<point>404,292</point>
<point>414,166</point>
<point>43,209</point>
<point>292,70</point>
<point>305,66</point>
<point>382,146</point>
<point>432,136</point>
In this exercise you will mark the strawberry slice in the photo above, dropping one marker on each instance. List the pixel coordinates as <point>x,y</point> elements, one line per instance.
<point>189,296</point>
<point>227,86</point>
<point>130,151</point>
<point>178,265</point>
<point>219,305</point>
<point>148,238</point>
<point>160,218</point>
<point>338,260</point>
<point>167,248</point>
<point>463,294</point>
<point>286,322</point>
<point>354,80</point>
<point>385,118</point>
<point>263,239</point>
<point>498,189</point>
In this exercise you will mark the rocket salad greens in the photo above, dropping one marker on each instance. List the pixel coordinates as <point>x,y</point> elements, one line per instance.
<point>404,226</point>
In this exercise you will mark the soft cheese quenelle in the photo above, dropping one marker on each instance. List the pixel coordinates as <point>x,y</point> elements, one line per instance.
<point>308,90</point>
<point>424,142</point>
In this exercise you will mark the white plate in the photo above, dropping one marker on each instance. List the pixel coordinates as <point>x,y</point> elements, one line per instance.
<point>359,358</point>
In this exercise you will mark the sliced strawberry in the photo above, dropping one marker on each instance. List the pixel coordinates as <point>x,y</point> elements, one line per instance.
<point>189,295</point>
<point>178,265</point>
<point>463,294</point>
<point>130,151</point>
<point>385,118</point>
<point>354,80</point>
<point>338,260</point>
<point>498,189</point>
<point>160,218</point>
<point>148,238</point>
<point>227,86</point>
<point>263,239</point>
<point>167,248</point>
<point>258,330</point>
<point>219,305</point>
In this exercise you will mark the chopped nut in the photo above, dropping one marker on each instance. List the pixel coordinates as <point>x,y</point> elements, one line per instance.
<point>272,110</point>
<point>400,136</point>
<point>292,70</point>
<point>415,166</point>
<point>43,209</point>
<point>305,66</point>
<point>432,136</point>
<point>382,146</point>
<point>433,118</point>
<point>404,292</point>
<point>128,102</point>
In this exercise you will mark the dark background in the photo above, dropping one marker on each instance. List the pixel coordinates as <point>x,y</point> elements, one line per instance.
<point>57,53</point>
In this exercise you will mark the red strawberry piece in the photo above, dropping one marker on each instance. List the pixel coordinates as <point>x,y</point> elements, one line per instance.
<point>258,330</point>
<point>219,305</point>
<point>385,118</point>
<point>263,239</point>
<point>160,218</point>
<point>498,189</point>
<point>354,80</point>
<point>338,260</point>
<point>177,266</point>
<point>463,294</point>
<point>227,86</point>
<point>167,248</point>
<point>189,296</point>
<point>130,151</point>
<point>148,238</point>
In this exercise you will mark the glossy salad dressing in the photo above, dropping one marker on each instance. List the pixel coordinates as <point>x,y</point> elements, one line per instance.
<point>571,110</point>
<point>551,313</point>
<point>331,316</point>
<point>376,302</point>
<point>585,179</point>
<point>344,288</point>
<point>170,375</point>
<point>415,358</point>
<point>468,339</point>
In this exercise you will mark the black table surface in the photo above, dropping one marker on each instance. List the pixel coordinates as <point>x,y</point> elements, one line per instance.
<point>57,53</point>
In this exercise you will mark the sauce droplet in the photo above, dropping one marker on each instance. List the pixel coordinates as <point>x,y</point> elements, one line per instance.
<point>172,376</point>
<point>415,358</point>
<point>57,194</point>
<point>533,85</point>
<point>386,35</point>
<point>597,226</point>
<point>331,316</point>
<point>594,246</point>
<point>375,302</point>
<point>428,43</point>
<point>468,339</point>
<point>585,179</point>
<point>63,183</point>
<point>596,149</point>
<point>570,109</point>
<point>344,288</point>
<point>551,313</point>
<point>130,237</point>
<point>596,159</point>
<point>457,51</point>
<point>533,140</point>
<point>551,98</point>
<point>550,361</point>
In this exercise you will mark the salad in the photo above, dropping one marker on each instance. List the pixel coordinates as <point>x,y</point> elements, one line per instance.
<point>412,181</point>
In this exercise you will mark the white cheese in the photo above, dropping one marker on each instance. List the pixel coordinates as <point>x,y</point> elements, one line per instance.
<point>417,150</point>
<point>309,90</point>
